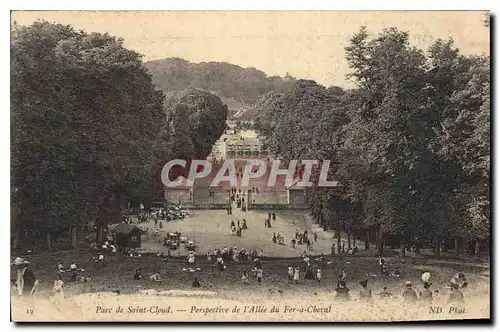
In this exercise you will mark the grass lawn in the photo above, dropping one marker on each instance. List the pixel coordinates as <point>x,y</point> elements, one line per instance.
<point>210,229</point>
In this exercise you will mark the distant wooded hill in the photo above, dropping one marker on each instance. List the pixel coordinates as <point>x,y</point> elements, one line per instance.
<point>238,87</point>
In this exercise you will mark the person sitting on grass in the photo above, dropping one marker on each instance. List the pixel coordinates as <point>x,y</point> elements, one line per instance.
<point>395,273</point>
<point>409,294</point>
<point>461,280</point>
<point>99,258</point>
<point>365,293</point>
<point>58,284</point>
<point>244,277</point>
<point>342,290</point>
<point>138,274</point>
<point>155,277</point>
<point>456,296</point>
<point>426,295</point>
<point>385,293</point>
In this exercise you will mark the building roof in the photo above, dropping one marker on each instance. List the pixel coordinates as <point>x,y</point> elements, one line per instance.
<point>123,228</point>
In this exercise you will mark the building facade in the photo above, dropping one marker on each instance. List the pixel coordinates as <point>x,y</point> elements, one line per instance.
<point>235,144</point>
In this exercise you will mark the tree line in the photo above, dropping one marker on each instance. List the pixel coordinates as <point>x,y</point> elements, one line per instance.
<point>410,144</point>
<point>230,81</point>
<point>90,132</point>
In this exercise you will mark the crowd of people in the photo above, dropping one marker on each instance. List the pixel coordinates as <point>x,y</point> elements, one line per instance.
<point>238,227</point>
<point>27,284</point>
<point>236,254</point>
<point>158,214</point>
<point>409,294</point>
<point>238,197</point>
<point>310,268</point>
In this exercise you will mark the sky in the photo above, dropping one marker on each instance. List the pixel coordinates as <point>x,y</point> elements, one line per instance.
<point>306,44</point>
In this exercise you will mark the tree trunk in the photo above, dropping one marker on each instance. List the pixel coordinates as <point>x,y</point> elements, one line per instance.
<point>49,240</point>
<point>348,240</point>
<point>380,241</point>
<point>403,248</point>
<point>367,240</point>
<point>323,222</point>
<point>354,240</point>
<point>457,246</point>
<point>445,249</point>
<point>436,247</point>
<point>99,234</point>
<point>15,240</point>
<point>73,231</point>
<point>339,244</point>
<point>318,218</point>
<point>477,248</point>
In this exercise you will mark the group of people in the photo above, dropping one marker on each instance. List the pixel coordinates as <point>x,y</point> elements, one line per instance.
<point>237,228</point>
<point>257,272</point>
<point>234,254</point>
<point>76,273</point>
<point>294,272</point>
<point>157,214</point>
<point>409,295</point>
<point>25,282</point>
<point>384,271</point>
<point>267,222</point>
<point>279,239</point>
<point>349,251</point>
<point>153,277</point>
<point>107,246</point>
<point>304,239</point>
<point>238,197</point>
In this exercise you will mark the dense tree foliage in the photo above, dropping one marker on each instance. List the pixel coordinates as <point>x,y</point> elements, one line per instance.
<point>410,144</point>
<point>89,129</point>
<point>83,114</point>
<point>196,119</point>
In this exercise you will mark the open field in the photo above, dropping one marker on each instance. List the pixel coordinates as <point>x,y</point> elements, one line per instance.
<point>210,229</point>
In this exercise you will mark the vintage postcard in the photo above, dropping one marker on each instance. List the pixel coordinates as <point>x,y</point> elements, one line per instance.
<point>262,166</point>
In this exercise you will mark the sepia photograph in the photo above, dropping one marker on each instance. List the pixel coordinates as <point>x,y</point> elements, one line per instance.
<point>250,166</point>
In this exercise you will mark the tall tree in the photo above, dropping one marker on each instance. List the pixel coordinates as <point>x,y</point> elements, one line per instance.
<point>84,114</point>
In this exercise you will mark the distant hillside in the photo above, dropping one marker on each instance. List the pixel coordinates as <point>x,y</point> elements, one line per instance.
<point>238,87</point>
